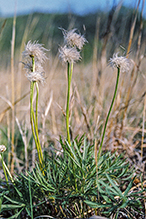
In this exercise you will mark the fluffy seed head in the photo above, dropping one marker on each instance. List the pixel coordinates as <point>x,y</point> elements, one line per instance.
<point>29,68</point>
<point>2,148</point>
<point>35,50</point>
<point>72,38</point>
<point>69,54</point>
<point>36,76</point>
<point>120,62</point>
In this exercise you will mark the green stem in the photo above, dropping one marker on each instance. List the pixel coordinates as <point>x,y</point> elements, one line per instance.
<point>36,121</point>
<point>69,76</point>
<point>33,64</point>
<point>5,168</point>
<point>37,96</point>
<point>34,116</point>
<point>103,135</point>
<point>32,120</point>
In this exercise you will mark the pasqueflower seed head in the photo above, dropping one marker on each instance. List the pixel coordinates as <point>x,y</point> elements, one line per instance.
<point>72,38</point>
<point>36,77</point>
<point>69,54</point>
<point>29,68</point>
<point>120,62</point>
<point>2,148</point>
<point>35,50</point>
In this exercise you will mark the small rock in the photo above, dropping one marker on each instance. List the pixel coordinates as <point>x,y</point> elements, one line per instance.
<point>97,217</point>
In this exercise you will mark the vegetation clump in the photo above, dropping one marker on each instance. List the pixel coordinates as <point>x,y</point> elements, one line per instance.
<point>46,171</point>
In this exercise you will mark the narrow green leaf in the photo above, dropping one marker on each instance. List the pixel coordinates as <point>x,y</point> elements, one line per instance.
<point>72,154</point>
<point>12,201</point>
<point>78,151</point>
<point>16,215</point>
<point>7,207</point>
<point>128,188</point>
<point>96,205</point>
<point>114,186</point>
<point>30,196</point>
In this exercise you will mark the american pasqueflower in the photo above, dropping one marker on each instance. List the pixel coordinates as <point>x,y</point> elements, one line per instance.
<point>72,38</point>
<point>69,54</point>
<point>35,50</point>
<point>120,62</point>
<point>34,55</point>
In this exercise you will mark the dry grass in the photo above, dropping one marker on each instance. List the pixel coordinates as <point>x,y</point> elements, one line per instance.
<point>90,100</point>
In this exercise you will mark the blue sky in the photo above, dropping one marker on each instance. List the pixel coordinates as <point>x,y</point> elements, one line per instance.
<point>7,7</point>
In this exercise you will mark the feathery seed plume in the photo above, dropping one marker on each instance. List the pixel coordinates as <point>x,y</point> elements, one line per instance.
<point>69,54</point>
<point>72,38</point>
<point>29,68</point>
<point>34,71</point>
<point>35,50</point>
<point>36,76</point>
<point>120,62</point>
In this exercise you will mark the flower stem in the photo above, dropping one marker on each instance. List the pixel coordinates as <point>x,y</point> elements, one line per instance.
<point>33,64</point>
<point>37,96</point>
<point>69,76</point>
<point>34,116</point>
<point>5,168</point>
<point>6,177</point>
<point>36,121</point>
<point>114,96</point>
<point>33,123</point>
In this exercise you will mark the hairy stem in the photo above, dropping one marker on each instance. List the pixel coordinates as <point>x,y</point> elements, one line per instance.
<point>32,120</point>
<point>5,168</point>
<point>6,177</point>
<point>69,77</point>
<point>34,116</point>
<point>110,109</point>
<point>36,121</point>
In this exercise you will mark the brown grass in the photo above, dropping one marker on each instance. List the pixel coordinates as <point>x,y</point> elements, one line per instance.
<point>91,96</point>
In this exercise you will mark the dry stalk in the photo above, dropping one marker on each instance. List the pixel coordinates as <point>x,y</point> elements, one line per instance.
<point>54,126</point>
<point>13,93</point>
<point>44,118</point>
<point>85,114</point>
<point>3,25</point>
<point>106,38</point>
<point>95,79</point>
<point>132,72</point>
<point>21,132</point>
<point>132,30</point>
<point>138,50</point>
<point>24,139</point>
<point>130,41</point>
<point>140,32</point>
<point>76,117</point>
<point>61,108</point>
<point>8,128</point>
<point>135,129</point>
<point>14,103</point>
